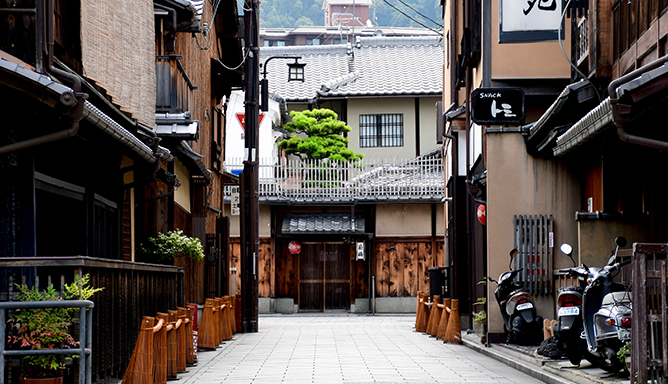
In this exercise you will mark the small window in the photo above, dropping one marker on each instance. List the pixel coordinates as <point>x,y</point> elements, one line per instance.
<point>382,130</point>
<point>314,41</point>
<point>274,43</point>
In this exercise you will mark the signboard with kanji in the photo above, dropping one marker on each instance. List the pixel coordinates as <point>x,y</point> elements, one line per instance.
<point>530,20</point>
<point>235,201</point>
<point>497,106</point>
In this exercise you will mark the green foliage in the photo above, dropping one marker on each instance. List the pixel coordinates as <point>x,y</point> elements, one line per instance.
<point>623,352</point>
<point>324,140</point>
<point>46,328</point>
<point>169,245</point>
<point>480,318</point>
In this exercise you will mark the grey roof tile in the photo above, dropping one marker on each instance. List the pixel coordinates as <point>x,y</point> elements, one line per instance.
<point>322,223</point>
<point>375,66</point>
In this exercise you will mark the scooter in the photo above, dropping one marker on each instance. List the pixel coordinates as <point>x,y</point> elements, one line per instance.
<point>606,314</point>
<point>520,322</point>
<point>568,328</point>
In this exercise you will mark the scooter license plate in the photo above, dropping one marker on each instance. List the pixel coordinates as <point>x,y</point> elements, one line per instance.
<point>568,311</point>
<point>624,334</point>
<point>524,306</point>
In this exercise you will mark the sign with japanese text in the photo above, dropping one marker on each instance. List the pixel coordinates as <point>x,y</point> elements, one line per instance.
<point>529,20</point>
<point>497,106</point>
<point>242,119</point>
<point>359,254</point>
<point>235,201</point>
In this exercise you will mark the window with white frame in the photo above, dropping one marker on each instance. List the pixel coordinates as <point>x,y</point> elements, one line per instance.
<point>382,130</point>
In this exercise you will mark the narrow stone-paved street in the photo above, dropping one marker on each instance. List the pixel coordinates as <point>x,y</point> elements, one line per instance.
<point>345,349</point>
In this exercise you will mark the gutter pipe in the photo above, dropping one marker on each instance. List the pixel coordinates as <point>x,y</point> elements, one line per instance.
<point>618,116</point>
<point>72,100</point>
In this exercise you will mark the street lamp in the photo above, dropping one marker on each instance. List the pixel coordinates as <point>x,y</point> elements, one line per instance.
<point>295,73</point>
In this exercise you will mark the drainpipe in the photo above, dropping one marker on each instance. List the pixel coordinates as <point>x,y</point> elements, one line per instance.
<point>73,100</point>
<point>467,25</point>
<point>621,111</point>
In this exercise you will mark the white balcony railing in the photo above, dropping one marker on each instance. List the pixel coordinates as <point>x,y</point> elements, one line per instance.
<point>321,181</point>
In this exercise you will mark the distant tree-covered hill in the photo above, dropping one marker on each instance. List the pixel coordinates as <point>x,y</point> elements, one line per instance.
<point>295,13</point>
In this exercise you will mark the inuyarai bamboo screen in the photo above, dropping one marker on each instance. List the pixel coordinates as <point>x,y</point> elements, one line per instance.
<point>118,53</point>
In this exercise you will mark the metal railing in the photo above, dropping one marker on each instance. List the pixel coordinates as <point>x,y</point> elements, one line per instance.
<point>131,291</point>
<point>294,180</point>
<point>85,334</point>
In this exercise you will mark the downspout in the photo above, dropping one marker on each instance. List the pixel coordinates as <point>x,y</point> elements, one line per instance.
<point>468,173</point>
<point>72,100</point>
<point>619,118</point>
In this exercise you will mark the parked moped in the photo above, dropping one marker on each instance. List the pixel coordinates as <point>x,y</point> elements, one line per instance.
<point>520,322</point>
<point>568,328</point>
<point>606,314</point>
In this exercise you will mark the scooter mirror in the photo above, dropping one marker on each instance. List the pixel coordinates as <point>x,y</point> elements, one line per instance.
<point>513,252</point>
<point>567,249</point>
<point>620,241</point>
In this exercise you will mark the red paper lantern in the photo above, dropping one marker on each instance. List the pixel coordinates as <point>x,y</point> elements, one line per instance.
<point>295,247</point>
<point>482,214</point>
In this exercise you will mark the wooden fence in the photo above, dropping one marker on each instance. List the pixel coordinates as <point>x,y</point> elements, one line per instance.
<point>649,351</point>
<point>131,290</point>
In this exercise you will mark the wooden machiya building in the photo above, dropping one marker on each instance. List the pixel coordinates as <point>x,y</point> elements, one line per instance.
<point>334,246</point>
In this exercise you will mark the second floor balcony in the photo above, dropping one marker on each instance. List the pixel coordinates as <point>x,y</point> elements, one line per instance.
<point>294,181</point>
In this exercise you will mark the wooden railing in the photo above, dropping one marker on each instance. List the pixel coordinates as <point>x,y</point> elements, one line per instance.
<point>131,290</point>
<point>174,90</point>
<point>649,352</point>
<point>582,43</point>
<point>365,180</point>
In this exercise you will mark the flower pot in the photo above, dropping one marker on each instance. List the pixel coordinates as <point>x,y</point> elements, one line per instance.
<point>48,380</point>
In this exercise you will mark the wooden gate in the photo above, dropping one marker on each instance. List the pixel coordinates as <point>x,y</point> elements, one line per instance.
<point>324,276</point>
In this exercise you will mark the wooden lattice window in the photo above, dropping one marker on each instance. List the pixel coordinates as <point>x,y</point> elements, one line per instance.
<point>382,130</point>
<point>534,239</point>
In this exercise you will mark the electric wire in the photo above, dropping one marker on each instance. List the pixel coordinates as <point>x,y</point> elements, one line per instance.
<point>418,12</point>
<point>400,11</point>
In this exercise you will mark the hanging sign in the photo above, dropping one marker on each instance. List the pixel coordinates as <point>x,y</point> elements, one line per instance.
<point>497,106</point>
<point>294,247</point>
<point>482,214</point>
<point>235,206</point>
<point>359,254</point>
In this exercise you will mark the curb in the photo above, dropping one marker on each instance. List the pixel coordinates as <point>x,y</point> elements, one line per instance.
<point>524,364</point>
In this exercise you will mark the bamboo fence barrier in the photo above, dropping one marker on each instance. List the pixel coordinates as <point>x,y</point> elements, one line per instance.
<point>445,316</point>
<point>180,340</point>
<point>171,347</point>
<point>190,347</point>
<point>453,334</point>
<point>227,325</point>
<point>160,349</point>
<point>206,335</point>
<point>140,368</point>
<point>435,317</point>
<point>218,316</point>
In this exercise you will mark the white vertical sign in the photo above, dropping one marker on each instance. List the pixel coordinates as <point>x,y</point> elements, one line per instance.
<point>360,251</point>
<point>234,202</point>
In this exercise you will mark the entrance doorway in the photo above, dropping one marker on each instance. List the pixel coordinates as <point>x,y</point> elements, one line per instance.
<point>324,277</point>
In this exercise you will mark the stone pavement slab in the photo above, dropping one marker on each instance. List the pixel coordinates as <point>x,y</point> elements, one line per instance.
<point>345,349</point>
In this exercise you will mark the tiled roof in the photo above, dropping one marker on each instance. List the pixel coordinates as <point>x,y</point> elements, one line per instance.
<point>375,66</point>
<point>322,223</point>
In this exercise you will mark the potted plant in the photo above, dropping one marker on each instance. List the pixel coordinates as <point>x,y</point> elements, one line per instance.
<point>46,328</point>
<point>624,355</point>
<point>172,244</point>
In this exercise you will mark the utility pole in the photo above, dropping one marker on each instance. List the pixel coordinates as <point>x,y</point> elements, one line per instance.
<point>249,179</point>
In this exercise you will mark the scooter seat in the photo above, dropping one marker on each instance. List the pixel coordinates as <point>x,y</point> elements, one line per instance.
<point>617,297</point>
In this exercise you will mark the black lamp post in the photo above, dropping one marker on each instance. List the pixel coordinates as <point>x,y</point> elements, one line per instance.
<point>295,73</point>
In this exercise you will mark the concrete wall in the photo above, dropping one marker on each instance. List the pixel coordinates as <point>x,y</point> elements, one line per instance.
<point>596,239</point>
<point>264,222</point>
<point>407,220</point>
<point>182,193</point>
<point>533,60</point>
<point>519,184</point>
<point>406,106</point>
